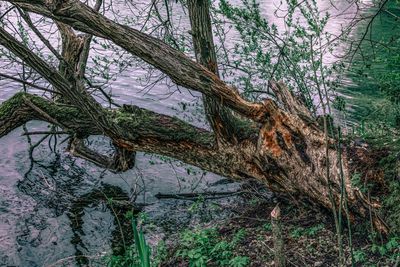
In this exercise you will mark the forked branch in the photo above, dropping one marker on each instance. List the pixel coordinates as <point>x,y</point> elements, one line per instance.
<point>179,67</point>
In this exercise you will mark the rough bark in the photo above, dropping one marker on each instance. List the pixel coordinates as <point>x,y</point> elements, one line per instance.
<point>179,67</point>
<point>220,118</point>
<point>289,155</point>
<point>286,150</point>
<point>153,133</point>
<point>72,47</point>
<point>74,93</point>
<point>74,56</point>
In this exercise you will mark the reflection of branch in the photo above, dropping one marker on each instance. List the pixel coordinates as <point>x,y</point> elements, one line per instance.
<point>143,130</point>
<point>32,148</point>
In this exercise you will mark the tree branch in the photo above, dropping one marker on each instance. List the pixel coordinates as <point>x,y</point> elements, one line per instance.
<point>27,83</point>
<point>44,40</point>
<point>86,46</point>
<point>121,161</point>
<point>149,132</point>
<point>180,68</point>
<point>74,93</point>
<point>288,154</point>
<point>23,107</point>
<point>221,119</point>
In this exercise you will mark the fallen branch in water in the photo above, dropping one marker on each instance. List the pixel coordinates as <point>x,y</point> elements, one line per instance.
<point>45,132</point>
<point>195,196</point>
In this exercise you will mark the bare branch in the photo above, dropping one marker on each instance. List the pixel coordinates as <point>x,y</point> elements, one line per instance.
<point>74,93</point>
<point>180,68</point>
<point>28,83</point>
<point>44,40</point>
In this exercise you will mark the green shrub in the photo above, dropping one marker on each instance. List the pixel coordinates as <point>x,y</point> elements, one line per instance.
<point>200,247</point>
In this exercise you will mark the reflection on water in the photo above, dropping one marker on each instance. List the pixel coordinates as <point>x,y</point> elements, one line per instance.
<point>61,208</point>
<point>92,205</point>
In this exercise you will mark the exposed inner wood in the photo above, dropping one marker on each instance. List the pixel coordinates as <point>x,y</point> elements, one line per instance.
<point>279,145</point>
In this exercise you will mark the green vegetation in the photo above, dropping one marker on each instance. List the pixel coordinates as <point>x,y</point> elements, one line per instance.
<point>374,101</point>
<point>375,91</point>
<point>371,104</point>
<point>360,94</point>
<point>202,247</point>
<point>311,231</point>
<point>390,249</point>
<point>391,200</point>
<point>293,53</point>
<point>136,255</point>
<point>249,243</point>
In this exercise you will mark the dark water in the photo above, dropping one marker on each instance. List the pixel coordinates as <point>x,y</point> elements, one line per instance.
<point>54,208</point>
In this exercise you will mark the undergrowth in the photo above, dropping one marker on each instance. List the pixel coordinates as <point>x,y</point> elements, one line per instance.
<point>202,247</point>
<point>136,255</point>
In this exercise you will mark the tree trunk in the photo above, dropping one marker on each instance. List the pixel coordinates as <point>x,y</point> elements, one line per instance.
<point>280,146</point>
<point>221,119</point>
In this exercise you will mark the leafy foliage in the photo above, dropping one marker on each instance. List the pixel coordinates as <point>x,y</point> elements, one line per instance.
<point>136,255</point>
<point>293,53</point>
<point>201,247</point>
<point>310,231</point>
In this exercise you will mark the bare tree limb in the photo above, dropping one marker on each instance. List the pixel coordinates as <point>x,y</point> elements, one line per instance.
<point>180,68</point>
<point>72,92</point>
<point>28,83</point>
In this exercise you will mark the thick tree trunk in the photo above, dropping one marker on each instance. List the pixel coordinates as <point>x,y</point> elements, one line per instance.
<point>288,156</point>
<point>283,147</point>
<point>221,119</point>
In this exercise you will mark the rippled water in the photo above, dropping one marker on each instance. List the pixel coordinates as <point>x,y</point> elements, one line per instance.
<point>53,207</point>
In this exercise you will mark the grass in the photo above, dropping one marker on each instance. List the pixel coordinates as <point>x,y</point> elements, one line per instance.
<point>136,255</point>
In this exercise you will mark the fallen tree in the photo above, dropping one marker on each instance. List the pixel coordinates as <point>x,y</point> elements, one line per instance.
<point>277,142</point>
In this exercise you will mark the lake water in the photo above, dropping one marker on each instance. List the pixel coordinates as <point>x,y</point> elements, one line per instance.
<point>53,207</point>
